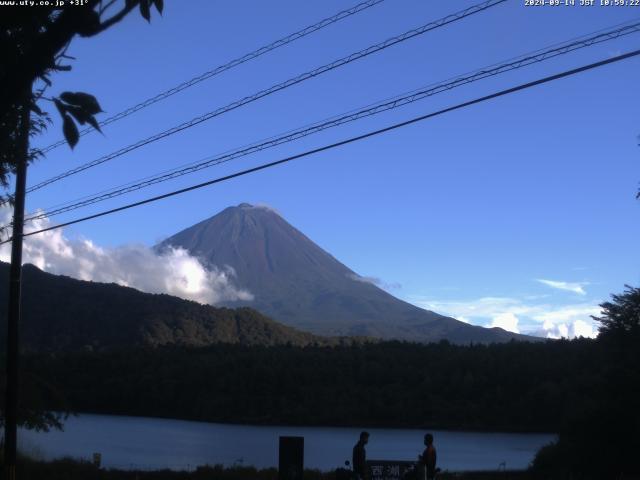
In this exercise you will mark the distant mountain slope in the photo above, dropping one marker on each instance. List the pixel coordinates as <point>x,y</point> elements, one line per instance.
<point>61,313</point>
<point>296,282</point>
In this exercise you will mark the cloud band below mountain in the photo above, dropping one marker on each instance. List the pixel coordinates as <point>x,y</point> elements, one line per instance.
<point>529,316</point>
<point>173,271</point>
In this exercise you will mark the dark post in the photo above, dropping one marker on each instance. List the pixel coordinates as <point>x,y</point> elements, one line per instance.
<point>291,458</point>
<point>13,317</point>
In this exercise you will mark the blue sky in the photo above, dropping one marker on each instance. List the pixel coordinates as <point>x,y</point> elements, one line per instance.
<point>518,212</point>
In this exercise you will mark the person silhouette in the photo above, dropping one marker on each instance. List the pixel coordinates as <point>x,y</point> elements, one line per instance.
<point>360,457</point>
<point>428,457</point>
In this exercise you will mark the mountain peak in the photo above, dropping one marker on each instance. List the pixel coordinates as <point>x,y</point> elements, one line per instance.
<point>260,207</point>
<point>298,283</point>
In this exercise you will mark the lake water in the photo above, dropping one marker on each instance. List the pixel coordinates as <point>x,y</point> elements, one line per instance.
<point>152,443</point>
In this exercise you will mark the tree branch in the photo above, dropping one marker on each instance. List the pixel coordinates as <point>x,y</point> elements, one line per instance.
<point>38,57</point>
<point>106,7</point>
<point>115,19</point>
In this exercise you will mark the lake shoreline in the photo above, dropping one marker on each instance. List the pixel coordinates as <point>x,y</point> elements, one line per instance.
<point>71,469</point>
<point>266,423</point>
<point>154,443</point>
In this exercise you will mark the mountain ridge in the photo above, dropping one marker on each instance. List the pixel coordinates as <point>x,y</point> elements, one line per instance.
<point>60,313</point>
<point>299,284</point>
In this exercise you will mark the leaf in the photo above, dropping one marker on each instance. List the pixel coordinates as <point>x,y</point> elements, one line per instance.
<point>159,5</point>
<point>86,101</point>
<point>88,23</point>
<point>79,114</point>
<point>144,10</point>
<point>70,131</point>
<point>94,123</point>
<point>36,109</point>
<point>62,108</point>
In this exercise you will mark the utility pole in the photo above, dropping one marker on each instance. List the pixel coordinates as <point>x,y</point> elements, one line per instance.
<point>15,278</point>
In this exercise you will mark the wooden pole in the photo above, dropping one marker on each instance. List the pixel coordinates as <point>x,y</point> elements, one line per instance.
<point>15,283</point>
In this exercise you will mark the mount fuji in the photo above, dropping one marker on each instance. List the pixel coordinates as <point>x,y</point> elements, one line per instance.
<point>296,282</point>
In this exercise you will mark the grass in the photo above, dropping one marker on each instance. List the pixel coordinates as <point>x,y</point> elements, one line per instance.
<point>72,469</point>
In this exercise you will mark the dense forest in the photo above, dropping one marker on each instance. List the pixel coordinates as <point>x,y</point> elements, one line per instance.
<point>514,386</point>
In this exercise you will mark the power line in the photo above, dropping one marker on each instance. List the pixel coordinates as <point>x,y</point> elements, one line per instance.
<point>550,51</point>
<point>416,95</point>
<point>395,126</point>
<point>280,86</point>
<point>227,66</point>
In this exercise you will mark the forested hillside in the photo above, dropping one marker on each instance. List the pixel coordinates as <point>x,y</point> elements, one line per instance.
<point>64,314</point>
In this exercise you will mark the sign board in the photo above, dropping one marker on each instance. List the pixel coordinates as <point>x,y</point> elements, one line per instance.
<point>291,458</point>
<point>389,469</point>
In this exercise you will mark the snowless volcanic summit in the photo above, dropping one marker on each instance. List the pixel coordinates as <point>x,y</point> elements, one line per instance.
<point>296,282</point>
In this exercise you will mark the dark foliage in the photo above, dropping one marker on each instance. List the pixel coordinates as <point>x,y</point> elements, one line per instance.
<point>621,320</point>
<point>512,387</point>
<point>602,437</point>
<point>34,42</point>
<point>68,469</point>
<point>64,314</point>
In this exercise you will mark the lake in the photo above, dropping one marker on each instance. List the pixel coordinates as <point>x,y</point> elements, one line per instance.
<point>152,443</point>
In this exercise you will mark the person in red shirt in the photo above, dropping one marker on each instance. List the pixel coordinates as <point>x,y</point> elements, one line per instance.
<point>428,457</point>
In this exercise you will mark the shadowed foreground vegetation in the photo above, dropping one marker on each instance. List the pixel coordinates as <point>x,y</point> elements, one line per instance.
<point>586,390</point>
<point>75,470</point>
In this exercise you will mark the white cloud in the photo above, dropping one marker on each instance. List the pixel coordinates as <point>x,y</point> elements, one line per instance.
<point>567,313</point>
<point>584,329</point>
<point>268,208</point>
<point>260,206</point>
<point>562,331</point>
<point>530,315</point>
<point>485,307</point>
<point>571,329</point>
<point>374,281</point>
<point>173,271</point>
<point>507,321</point>
<point>575,287</point>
